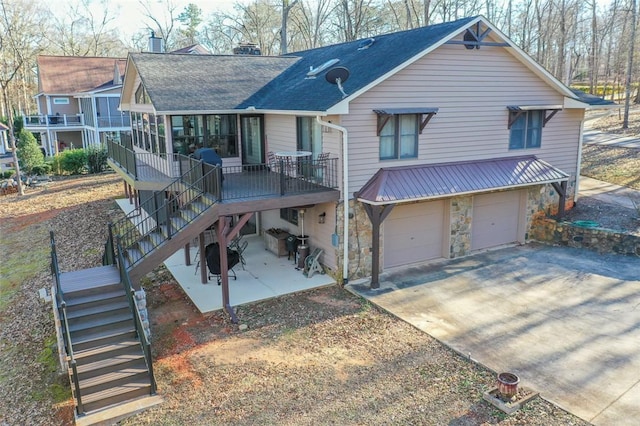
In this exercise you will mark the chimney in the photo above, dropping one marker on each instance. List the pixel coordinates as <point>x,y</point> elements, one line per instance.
<point>245,48</point>
<point>155,43</point>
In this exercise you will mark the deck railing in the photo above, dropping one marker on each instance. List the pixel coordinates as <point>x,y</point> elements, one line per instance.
<point>137,317</point>
<point>116,121</point>
<point>65,120</point>
<point>62,311</point>
<point>199,179</point>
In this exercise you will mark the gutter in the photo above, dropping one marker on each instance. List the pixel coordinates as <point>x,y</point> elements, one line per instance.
<point>345,196</point>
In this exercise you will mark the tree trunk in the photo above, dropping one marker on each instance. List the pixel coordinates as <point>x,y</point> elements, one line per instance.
<point>12,139</point>
<point>627,85</point>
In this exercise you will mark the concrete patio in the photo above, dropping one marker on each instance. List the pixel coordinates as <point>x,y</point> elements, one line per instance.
<point>566,321</point>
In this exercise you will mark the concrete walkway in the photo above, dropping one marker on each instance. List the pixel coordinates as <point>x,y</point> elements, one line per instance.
<point>596,137</point>
<point>608,192</point>
<point>566,321</point>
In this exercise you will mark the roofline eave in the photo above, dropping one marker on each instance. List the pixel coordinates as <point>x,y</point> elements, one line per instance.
<point>456,194</point>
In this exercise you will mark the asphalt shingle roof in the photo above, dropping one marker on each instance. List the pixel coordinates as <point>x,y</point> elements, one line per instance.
<point>183,82</point>
<point>76,74</point>
<point>292,91</point>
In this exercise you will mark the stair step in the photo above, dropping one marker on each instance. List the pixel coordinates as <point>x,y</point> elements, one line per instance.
<point>109,365</point>
<point>104,337</point>
<point>146,246</point>
<point>156,238</point>
<point>134,255</point>
<point>114,321</point>
<point>208,199</point>
<point>81,312</point>
<point>107,397</point>
<point>101,352</point>
<point>132,373</point>
<point>198,206</point>
<point>81,302</point>
<point>178,223</point>
<point>89,281</point>
<point>188,215</point>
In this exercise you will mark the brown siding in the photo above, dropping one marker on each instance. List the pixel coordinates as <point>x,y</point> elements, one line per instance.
<point>472,89</point>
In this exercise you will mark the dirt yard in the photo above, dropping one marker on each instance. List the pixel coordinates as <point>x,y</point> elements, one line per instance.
<point>318,357</point>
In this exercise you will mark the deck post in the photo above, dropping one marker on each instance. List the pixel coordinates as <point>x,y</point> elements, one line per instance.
<point>377,214</point>
<point>204,276</point>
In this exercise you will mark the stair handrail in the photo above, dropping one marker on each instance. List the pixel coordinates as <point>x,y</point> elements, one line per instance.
<point>201,178</point>
<point>109,255</point>
<point>62,309</point>
<point>137,318</point>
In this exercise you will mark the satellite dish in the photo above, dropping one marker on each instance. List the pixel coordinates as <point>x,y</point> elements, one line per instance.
<point>337,76</point>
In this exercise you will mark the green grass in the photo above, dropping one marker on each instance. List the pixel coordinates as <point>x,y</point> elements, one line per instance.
<point>25,255</point>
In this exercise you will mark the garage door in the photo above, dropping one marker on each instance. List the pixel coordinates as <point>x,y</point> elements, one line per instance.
<point>495,219</point>
<point>413,233</point>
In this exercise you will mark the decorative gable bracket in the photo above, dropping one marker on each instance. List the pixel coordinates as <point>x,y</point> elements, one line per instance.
<point>385,114</point>
<point>474,38</point>
<point>515,111</point>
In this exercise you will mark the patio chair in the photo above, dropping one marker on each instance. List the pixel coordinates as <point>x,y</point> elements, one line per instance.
<point>319,167</point>
<point>239,246</point>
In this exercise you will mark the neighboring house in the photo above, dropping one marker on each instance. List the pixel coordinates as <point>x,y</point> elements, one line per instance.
<point>443,140</point>
<point>78,99</point>
<point>4,139</point>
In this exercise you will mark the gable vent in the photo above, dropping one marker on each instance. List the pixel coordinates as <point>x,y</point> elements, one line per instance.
<point>313,72</point>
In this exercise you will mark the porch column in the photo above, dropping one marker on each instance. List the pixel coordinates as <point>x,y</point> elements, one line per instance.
<point>562,191</point>
<point>203,259</point>
<point>377,214</point>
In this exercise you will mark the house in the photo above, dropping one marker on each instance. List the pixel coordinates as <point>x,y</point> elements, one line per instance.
<point>78,99</point>
<point>442,141</point>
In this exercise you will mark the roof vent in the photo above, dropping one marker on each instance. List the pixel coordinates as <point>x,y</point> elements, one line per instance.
<point>313,72</point>
<point>366,43</point>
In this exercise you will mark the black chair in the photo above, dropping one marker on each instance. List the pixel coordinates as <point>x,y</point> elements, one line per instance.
<point>212,254</point>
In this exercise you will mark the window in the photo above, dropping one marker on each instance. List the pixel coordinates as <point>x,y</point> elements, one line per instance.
<point>290,215</point>
<point>190,132</point>
<point>526,130</point>
<point>142,97</point>
<point>399,137</point>
<point>309,135</point>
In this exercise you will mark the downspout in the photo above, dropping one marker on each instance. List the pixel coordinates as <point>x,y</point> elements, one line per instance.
<point>577,187</point>
<point>345,196</point>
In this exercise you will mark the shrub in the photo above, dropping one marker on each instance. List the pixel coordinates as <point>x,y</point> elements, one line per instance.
<point>41,169</point>
<point>29,153</point>
<point>7,174</point>
<point>73,161</point>
<point>55,164</point>
<point>97,158</point>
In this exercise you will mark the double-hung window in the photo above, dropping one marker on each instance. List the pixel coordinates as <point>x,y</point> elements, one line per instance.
<point>398,130</point>
<point>399,137</point>
<point>526,123</point>
<point>526,130</point>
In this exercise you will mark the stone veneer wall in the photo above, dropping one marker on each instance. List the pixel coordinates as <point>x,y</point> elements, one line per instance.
<point>603,240</point>
<point>360,242</point>
<point>460,231</point>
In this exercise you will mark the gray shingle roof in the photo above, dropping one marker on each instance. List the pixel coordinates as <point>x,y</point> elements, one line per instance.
<point>182,82</point>
<point>430,181</point>
<point>592,100</point>
<point>292,91</point>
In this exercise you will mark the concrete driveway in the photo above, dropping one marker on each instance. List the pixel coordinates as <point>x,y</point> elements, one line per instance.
<point>566,321</point>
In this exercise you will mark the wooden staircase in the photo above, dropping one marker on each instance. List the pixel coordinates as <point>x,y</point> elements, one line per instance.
<point>110,365</point>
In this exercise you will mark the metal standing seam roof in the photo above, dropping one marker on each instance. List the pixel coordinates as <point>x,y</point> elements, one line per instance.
<point>430,181</point>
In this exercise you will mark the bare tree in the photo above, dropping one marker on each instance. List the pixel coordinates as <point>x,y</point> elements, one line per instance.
<point>20,38</point>
<point>161,18</point>
<point>287,5</point>
<point>86,29</point>
<point>309,23</point>
<point>627,88</point>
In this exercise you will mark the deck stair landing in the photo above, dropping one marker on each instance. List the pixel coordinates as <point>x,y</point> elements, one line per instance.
<point>111,365</point>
